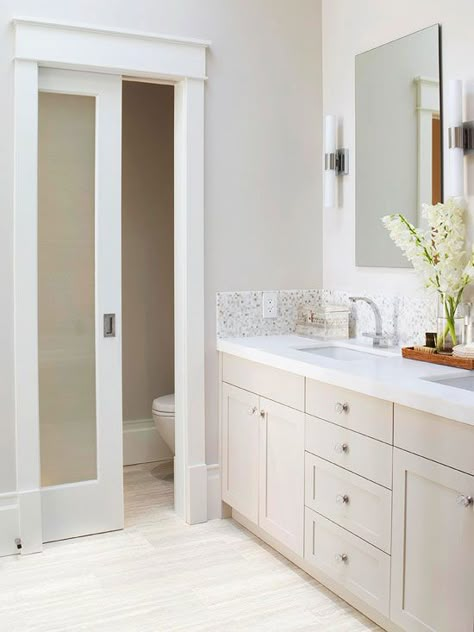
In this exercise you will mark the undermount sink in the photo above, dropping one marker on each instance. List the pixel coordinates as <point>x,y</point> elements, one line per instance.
<point>336,353</point>
<point>466,382</point>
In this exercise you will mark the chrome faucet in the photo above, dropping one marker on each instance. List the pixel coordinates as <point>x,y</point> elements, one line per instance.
<point>378,339</point>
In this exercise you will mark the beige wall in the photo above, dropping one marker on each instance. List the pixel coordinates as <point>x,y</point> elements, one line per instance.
<point>147,246</point>
<point>351,27</point>
<point>262,154</point>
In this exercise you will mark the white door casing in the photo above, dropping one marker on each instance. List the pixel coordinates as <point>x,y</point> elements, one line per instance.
<point>133,54</point>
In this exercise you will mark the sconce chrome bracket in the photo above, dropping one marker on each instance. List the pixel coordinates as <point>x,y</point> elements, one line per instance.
<point>338,162</point>
<point>462,137</point>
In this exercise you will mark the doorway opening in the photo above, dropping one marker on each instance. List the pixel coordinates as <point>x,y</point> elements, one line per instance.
<point>148,382</point>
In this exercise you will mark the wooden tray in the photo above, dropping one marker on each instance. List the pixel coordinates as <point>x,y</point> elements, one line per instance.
<point>438,358</point>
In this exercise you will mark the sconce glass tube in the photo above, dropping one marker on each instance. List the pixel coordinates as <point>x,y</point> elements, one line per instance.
<point>330,133</point>
<point>454,119</point>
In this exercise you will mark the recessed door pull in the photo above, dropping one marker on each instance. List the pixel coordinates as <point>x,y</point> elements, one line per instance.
<point>109,325</point>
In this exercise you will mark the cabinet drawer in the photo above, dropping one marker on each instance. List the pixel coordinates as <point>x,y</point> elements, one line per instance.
<point>368,415</point>
<point>358,505</point>
<point>436,438</point>
<point>362,455</point>
<point>274,384</point>
<point>355,564</point>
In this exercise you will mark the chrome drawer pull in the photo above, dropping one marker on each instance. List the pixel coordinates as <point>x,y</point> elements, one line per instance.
<point>341,408</point>
<point>341,447</point>
<point>465,501</point>
<point>341,557</point>
<point>342,499</point>
<point>252,411</point>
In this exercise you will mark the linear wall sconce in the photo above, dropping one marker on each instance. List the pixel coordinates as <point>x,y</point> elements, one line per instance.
<point>336,161</point>
<point>460,138</point>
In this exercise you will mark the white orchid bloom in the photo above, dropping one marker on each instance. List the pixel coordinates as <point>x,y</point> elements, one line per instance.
<point>438,254</point>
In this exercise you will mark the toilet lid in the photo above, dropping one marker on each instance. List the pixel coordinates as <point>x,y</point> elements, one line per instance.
<point>164,404</point>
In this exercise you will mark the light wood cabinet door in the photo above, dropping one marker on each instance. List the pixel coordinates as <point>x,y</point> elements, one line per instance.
<point>240,415</point>
<point>282,474</point>
<point>432,546</point>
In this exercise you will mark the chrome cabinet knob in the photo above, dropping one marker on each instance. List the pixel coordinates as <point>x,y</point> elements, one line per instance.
<point>342,499</point>
<point>341,557</point>
<point>252,411</point>
<point>262,414</point>
<point>341,408</point>
<point>465,501</point>
<point>340,448</point>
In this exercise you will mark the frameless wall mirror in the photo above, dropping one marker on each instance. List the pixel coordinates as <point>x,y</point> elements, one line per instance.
<point>398,139</point>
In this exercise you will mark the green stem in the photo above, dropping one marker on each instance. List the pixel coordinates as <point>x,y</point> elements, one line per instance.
<point>423,246</point>
<point>418,241</point>
<point>450,305</point>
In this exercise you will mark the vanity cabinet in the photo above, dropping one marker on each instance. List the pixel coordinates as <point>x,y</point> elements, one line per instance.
<point>263,456</point>
<point>372,498</point>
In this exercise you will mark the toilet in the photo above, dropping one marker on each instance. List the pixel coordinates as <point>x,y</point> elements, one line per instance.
<point>163,416</point>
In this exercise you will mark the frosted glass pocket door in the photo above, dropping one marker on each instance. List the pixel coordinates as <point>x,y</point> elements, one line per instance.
<point>79,250</point>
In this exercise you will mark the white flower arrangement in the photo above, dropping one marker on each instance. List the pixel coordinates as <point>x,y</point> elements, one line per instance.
<point>438,254</point>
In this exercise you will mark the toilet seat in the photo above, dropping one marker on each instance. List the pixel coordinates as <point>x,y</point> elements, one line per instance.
<point>164,405</point>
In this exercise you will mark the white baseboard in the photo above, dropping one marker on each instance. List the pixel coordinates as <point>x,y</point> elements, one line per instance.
<point>139,443</point>
<point>30,515</point>
<point>214,503</point>
<point>142,443</point>
<point>196,512</point>
<point>9,524</point>
<point>204,492</point>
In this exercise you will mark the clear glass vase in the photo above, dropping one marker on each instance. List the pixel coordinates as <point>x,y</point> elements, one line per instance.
<point>450,323</point>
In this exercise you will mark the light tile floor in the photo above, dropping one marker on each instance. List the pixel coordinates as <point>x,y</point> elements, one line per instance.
<point>160,575</point>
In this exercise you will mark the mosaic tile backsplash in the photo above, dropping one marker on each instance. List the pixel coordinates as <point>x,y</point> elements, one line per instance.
<point>404,318</point>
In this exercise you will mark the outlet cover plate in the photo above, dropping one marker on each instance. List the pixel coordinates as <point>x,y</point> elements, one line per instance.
<point>270,304</point>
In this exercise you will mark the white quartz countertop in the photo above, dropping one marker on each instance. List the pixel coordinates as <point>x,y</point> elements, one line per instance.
<point>388,377</point>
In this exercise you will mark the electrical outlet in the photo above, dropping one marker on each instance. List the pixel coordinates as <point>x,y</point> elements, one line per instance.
<point>270,304</point>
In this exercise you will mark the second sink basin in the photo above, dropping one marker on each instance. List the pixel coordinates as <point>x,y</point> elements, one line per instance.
<point>336,353</point>
<point>466,382</point>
